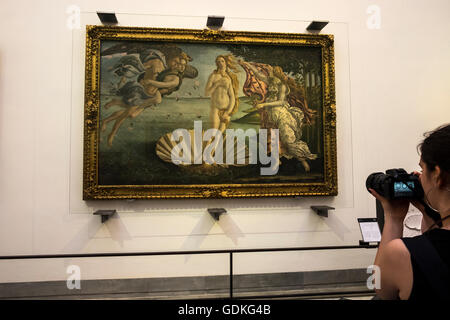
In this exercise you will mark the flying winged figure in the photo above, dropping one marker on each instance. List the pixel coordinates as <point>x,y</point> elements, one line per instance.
<point>148,72</point>
<point>127,68</point>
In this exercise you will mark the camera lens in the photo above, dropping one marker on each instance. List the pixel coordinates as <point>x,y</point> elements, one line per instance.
<point>375,181</point>
<point>370,181</point>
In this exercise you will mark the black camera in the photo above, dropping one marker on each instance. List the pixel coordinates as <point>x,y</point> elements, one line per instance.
<point>395,184</point>
<point>398,184</point>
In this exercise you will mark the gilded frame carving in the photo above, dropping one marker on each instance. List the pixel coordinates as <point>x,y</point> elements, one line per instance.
<point>93,190</point>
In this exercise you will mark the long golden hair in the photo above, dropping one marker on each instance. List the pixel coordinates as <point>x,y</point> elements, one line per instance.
<point>232,70</point>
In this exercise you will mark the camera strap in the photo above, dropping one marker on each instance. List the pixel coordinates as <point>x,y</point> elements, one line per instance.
<point>431,264</point>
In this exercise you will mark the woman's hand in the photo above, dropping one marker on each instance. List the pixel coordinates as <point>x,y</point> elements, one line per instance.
<point>427,221</point>
<point>395,209</point>
<point>416,203</point>
<point>224,117</point>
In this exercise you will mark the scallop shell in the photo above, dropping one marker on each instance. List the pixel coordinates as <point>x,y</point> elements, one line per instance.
<point>166,143</point>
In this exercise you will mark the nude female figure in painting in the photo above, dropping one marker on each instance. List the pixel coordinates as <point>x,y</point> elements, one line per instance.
<point>222,86</point>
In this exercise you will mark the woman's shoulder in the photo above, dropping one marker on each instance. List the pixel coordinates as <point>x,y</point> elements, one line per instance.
<point>215,74</point>
<point>398,253</point>
<point>397,246</point>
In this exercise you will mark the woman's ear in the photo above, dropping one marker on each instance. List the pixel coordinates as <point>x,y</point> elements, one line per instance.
<point>436,175</point>
<point>441,177</point>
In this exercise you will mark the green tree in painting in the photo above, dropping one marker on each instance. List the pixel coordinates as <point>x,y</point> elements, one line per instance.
<point>295,61</point>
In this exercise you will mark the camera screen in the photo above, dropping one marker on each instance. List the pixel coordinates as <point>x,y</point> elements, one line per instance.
<point>402,190</point>
<point>370,231</point>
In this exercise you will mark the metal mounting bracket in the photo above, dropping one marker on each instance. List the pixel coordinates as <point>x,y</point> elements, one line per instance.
<point>216,212</point>
<point>105,214</point>
<point>322,210</point>
<point>215,22</point>
<point>316,26</point>
<point>107,17</point>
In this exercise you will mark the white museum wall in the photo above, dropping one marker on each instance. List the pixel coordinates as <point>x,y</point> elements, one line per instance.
<point>391,86</point>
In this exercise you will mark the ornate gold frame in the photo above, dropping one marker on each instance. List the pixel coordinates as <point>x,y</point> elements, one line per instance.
<point>91,188</point>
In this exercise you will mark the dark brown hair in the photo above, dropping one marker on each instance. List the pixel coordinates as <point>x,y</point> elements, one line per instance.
<point>435,151</point>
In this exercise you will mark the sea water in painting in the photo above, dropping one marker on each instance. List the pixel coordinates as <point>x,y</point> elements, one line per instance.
<point>151,93</point>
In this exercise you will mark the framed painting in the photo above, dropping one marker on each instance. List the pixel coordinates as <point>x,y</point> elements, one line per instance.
<point>176,113</point>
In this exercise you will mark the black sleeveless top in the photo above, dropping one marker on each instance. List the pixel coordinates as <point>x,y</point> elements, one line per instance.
<point>421,289</point>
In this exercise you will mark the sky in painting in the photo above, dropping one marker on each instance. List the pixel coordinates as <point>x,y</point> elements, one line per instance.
<point>204,56</point>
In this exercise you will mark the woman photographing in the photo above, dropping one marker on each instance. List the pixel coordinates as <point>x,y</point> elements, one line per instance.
<point>418,268</point>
